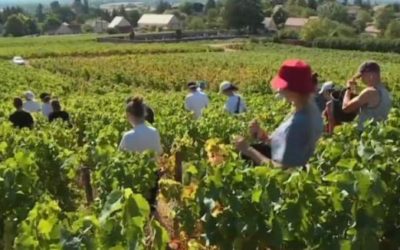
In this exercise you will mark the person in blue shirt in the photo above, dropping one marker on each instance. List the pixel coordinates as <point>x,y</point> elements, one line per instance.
<point>293,143</point>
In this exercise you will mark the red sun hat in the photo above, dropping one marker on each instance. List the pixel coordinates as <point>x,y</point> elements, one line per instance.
<point>294,75</point>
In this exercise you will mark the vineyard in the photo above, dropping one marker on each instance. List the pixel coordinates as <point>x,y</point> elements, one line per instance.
<point>349,198</point>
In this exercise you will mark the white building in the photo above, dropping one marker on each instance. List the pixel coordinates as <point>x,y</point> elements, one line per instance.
<point>163,21</point>
<point>296,23</point>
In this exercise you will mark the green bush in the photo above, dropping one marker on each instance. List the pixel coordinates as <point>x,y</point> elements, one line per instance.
<point>377,45</point>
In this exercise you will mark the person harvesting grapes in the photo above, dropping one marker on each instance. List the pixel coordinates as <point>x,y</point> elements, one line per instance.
<point>235,103</point>
<point>374,102</point>
<point>294,141</point>
<point>20,118</point>
<point>195,101</point>
<point>143,136</point>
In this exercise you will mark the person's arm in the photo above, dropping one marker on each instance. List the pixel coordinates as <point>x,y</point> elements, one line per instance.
<point>243,147</point>
<point>353,105</point>
<point>187,104</point>
<point>122,144</point>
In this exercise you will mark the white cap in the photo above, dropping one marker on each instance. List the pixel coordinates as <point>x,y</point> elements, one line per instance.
<point>327,86</point>
<point>225,85</point>
<point>29,95</point>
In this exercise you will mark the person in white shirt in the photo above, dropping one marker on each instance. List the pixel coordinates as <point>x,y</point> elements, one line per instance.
<point>47,109</point>
<point>142,137</point>
<point>235,103</point>
<point>31,105</point>
<point>196,101</point>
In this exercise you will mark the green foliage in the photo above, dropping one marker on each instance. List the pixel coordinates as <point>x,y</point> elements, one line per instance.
<point>210,5</point>
<point>333,11</point>
<point>325,28</point>
<point>279,15</point>
<point>15,25</point>
<point>241,14</point>
<point>382,17</point>
<point>363,17</point>
<point>393,30</point>
<point>196,23</point>
<point>348,198</point>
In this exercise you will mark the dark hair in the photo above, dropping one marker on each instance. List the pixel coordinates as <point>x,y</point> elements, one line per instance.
<point>17,102</point>
<point>135,107</point>
<point>369,66</point>
<point>56,105</point>
<point>192,85</point>
<point>44,95</point>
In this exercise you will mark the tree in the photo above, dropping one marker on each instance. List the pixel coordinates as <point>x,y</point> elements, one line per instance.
<point>39,13</point>
<point>15,25</point>
<point>31,26</point>
<point>213,18</point>
<point>333,11</point>
<point>86,6</point>
<point>122,11</point>
<point>196,23</point>
<point>186,8</point>
<point>312,4</point>
<point>52,22</point>
<point>325,28</point>
<point>54,6</point>
<point>77,6</point>
<point>210,5</point>
<point>198,7</point>
<point>393,29</point>
<point>133,17</point>
<point>65,14</point>
<point>363,17</point>
<point>162,6</point>
<point>383,17</point>
<point>358,2</point>
<point>279,15</point>
<point>240,14</point>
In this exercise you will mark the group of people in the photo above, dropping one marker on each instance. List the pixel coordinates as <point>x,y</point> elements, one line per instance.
<point>294,141</point>
<point>49,108</point>
<point>291,144</point>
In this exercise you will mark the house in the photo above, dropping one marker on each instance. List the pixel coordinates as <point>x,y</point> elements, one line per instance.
<point>120,24</point>
<point>100,26</point>
<point>162,21</point>
<point>372,30</point>
<point>296,23</point>
<point>269,24</point>
<point>67,29</point>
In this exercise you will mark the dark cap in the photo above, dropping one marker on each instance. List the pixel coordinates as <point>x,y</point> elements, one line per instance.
<point>369,66</point>
<point>192,85</point>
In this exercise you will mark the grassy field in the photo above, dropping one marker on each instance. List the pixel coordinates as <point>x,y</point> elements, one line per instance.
<point>348,199</point>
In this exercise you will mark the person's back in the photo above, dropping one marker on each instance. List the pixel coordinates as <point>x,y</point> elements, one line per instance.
<point>31,106</point>
<point>21,118</point>
<point>143,137</point>
<point>46,109</point>
<point>380,111</point>
<point>294,141</point>
<point>196,102</point>
<point>235,104</point>
<point>63,115</point>
<point>57,112</point>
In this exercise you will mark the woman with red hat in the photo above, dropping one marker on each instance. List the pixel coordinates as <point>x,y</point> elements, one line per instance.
<point>294,141</point>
